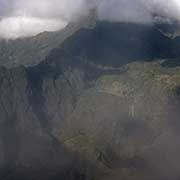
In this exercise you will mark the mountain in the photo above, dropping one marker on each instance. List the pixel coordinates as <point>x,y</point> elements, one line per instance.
<point>145,41</point>
<point>33,50</point>
<point>96,100</point>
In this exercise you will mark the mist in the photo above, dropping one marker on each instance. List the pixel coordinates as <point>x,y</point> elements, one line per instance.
<point>27,18</point>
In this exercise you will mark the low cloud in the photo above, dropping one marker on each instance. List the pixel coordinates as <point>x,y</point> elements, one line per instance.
<point>27,18</point>
<point>15,27</point>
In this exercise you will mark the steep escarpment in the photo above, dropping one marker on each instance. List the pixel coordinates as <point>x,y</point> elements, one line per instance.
<point>136,115</point>
<point>25,146</point>
<point>93,106</point>
<point>35,105</point>
<point>124,120</point>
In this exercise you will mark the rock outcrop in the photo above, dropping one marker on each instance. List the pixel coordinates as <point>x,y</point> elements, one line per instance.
<point>88,113</point>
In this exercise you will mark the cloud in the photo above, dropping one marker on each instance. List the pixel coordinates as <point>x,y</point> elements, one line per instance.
<point>26,18</point>
<point>15,27</point>
<point>124,10</point>
<point>138,10</point>
<point>49,8</point>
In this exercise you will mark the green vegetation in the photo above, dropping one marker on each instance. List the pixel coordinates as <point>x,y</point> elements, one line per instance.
<point>138,77</point>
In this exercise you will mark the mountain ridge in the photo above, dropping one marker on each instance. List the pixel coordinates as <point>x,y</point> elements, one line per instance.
<point>101,102</point>
<point>33,50</point>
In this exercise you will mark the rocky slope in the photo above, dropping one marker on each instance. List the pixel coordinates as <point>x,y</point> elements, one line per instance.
<point>96,106</point>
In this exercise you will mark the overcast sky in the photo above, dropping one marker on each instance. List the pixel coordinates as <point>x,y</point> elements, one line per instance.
<point>26,18</point>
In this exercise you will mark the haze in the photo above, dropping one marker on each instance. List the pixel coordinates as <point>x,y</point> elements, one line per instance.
<point>20,18</point>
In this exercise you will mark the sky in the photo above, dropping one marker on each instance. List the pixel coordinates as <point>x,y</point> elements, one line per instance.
<point>27,18</point>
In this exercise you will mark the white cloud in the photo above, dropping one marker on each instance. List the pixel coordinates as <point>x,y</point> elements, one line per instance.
<point>49,8</point>
<point>124,10</point>
<point>14,27</point>
<point>26,18</point>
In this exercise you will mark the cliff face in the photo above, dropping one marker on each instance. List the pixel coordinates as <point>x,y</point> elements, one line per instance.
<point>75,116</point>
